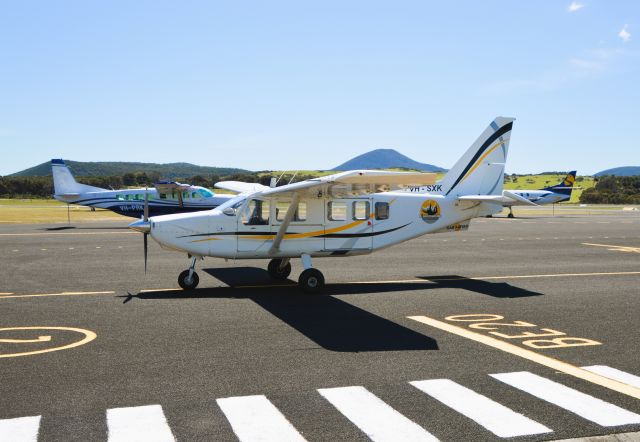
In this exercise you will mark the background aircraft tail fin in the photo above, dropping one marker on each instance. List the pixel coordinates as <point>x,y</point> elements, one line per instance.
<point>565,186</point>
<point>64,183</point>
<point>480,171</point>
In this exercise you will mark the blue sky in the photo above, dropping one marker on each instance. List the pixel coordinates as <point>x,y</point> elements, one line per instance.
<point>308,85</point>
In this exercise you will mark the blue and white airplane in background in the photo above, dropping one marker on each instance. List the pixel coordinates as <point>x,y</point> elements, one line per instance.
<point>548,195</point>
<point>509,198</point>
<point>165,198</point>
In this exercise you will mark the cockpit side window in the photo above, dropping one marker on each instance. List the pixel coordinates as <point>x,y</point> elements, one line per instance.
<point>256,213</point>
<point>205,193</point>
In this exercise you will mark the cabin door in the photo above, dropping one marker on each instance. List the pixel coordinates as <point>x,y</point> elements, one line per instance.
<point>304,234</point>
<point>348,224</point>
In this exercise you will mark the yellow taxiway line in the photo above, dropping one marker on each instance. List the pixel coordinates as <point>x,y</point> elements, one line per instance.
<point>433,280</point>
<point>615,248</point>
<point>43,295</point>
<point>532,356</point>
<point>68,233</point>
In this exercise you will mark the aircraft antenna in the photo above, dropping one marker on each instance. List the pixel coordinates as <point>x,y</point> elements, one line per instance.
<point>279,178</point>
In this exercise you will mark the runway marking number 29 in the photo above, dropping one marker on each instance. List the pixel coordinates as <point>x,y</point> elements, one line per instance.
<point>516,330</point>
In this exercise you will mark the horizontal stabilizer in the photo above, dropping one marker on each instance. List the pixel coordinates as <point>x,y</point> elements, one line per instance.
<point>517,197</point>
<point>504,199</point>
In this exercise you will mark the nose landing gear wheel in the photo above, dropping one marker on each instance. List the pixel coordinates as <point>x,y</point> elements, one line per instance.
<point>311,281</point>
<point>276,272</point>
<point>185,283</point>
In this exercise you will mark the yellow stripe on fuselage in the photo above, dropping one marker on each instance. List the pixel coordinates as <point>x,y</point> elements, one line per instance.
<point>306,234</point>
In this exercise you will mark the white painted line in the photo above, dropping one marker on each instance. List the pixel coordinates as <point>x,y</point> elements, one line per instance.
<point>138,424</point>
<point>614,373</point>
<point>585,406</point>
<point>15,250</point>
<point>376,419</point>
<point>493,416</point>
<point>20,429</point>
<point>255,418</point>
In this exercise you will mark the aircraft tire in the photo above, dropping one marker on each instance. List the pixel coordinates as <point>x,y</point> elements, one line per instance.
<point>274,269</point>
<point>311,281</point>
<point>182,280</point>
<point>510,215</point>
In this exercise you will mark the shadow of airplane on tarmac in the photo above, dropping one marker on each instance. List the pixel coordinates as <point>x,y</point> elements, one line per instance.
<point>328,321</point>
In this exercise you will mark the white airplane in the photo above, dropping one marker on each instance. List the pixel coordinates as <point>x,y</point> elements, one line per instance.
<point>165,198</point>
<point>345,214</point>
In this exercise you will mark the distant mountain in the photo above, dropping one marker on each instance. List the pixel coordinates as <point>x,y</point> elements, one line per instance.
<point>386,159</point>
<point>621,171</point>
<point>104,168</point>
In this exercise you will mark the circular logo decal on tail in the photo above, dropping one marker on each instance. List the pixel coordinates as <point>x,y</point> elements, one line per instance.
<point>430,211</point>
<point>569,180</point>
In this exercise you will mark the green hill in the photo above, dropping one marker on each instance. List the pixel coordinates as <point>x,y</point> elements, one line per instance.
<point>106,168</point>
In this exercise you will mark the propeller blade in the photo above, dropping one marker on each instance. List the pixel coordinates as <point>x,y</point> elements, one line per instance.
<point>146,208</point>
<point>145,251</point>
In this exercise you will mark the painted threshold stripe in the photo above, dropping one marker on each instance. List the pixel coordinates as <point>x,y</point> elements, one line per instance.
<point>42,295</point>
<point>138,423</point>
<point>376,419</point>
<point>255,418</point>
<point>614,373</point>
<point>524,353</point>
<point>493,416</point>
<point>20,429</point>
<point>588,407</point>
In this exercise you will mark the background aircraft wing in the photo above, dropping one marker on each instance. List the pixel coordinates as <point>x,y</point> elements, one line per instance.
<point>356,182</point>
<point>240,187</point>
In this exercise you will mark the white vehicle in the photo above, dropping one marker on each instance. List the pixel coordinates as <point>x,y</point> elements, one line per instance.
<point>345,214</point>
<point>165,198</point>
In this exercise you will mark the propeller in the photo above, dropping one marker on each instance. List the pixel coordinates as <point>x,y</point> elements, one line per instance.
<point>146,221</point>
<point>143,226</point>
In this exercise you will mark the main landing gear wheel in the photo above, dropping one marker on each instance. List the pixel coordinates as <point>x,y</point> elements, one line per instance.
<point>311,281</point>
<point>277,271</point>
<point>186,283</point>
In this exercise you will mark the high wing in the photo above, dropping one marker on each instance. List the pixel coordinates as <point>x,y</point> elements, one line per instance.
<point>354,183</point>
<point>240,187</point>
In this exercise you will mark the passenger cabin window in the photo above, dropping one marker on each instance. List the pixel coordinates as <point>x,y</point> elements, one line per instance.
<point>194,195</point>
<point>337,211</point>
<point>283,206</point>
<point>257,213</point>
<point>360,210</point>
<point>382,210</point>
<point>163,196</point>
<point>120,197</point>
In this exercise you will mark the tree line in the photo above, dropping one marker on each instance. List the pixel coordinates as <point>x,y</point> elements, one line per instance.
<point>613,190</point>
<point>608,189</point>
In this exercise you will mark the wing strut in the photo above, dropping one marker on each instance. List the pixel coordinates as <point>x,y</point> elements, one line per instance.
<point>275,247</point>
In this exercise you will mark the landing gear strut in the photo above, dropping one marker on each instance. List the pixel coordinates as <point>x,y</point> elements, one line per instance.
<point>189,279</point>
<point>279,268</point>
<point>311,280</point>
<point>510,215</point>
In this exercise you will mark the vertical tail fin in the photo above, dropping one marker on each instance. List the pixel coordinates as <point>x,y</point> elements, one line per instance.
<point>480,171</point>
<point>565,186</point>
<point>64,183</point>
